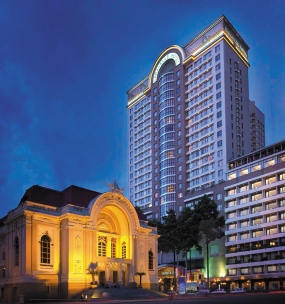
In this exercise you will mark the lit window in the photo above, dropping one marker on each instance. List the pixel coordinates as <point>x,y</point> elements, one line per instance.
<point>102,240</point>
<point>113,247</point>
<point>150,260</point>
<point>45,249</point>
<point>124,250</point>
<point>16,251</point>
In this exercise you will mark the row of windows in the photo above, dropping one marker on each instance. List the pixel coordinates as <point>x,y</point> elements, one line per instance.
<point>201,133</point>
<point>200,106</point>
<point>257,269</point>
<point>256,233</point>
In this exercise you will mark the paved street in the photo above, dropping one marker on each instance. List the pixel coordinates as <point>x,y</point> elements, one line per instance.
<point>251,298</point>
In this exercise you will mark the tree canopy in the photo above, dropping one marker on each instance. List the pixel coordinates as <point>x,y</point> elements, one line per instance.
<point>193,226</point>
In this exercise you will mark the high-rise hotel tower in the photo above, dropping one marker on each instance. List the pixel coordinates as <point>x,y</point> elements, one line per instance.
<point>188,118</point>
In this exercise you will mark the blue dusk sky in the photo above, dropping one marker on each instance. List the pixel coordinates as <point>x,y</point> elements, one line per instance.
<point>65,68</point>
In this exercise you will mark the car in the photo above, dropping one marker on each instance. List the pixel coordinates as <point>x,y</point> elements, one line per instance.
<point>220,290</point>
<point>203,291</point>
<point>238,290</point>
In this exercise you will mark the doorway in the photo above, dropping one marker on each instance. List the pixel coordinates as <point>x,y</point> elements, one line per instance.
<point>115,277</point>
<point>102,278</point>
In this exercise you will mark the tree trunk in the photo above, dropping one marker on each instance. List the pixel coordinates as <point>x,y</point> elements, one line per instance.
<point>208,281</point>
<point>174,268</point>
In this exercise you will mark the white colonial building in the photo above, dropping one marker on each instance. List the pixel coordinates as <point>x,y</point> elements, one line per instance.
<point>55,243</point>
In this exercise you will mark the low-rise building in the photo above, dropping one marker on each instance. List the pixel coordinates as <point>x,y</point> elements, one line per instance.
<point>56,244</point>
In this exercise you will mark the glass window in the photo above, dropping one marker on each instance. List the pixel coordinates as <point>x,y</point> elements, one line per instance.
<point>113,247</point>
<point>124,250</point>
<point>150,260</point>
<point>45,249</point>
<point>102,242</point>
<point>217,48</point>
<point>16,251</point>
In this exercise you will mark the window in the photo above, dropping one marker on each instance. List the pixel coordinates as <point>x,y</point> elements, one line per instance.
<point>150,260</point>
<point>232,271</point>
<point>217,58</point>
<point>243,188</point>
<point>270,192</point>
<point>178,81</point>
<point>218,76</point>
<point>219,124</point>
<point>218,86</point>
<point>16,251</point>
<point>214,250</point>
<point>256,184</point>
<point>282,176</point>
<point>272,268</point>
<point>218,95</point>
<point>178,98</point>
<point>219,114</point>
<point>102,241</point>
<point>113,247</point>
<point>124,250</point>
<point>219,196</point>
<point>220,143</point>
<point>45,249</point>
<point>232,191</point>
<point>218,66</point>
<point>272,230</point>
<point>217,48</point>
<point>270,180</point>
<point>219,104</point>
<point>258,269</point>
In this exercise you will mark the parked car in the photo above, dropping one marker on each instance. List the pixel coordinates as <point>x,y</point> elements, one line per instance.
<point>221,290</point>
<point>203,291</point>
<point>238,290</point>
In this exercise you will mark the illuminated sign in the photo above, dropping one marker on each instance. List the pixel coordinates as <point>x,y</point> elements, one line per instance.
<point>173,56</point>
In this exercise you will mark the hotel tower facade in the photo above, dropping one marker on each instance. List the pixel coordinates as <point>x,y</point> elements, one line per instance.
<point>188,118</point>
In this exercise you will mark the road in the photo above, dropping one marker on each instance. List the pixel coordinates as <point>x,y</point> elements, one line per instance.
<point>251,298</point>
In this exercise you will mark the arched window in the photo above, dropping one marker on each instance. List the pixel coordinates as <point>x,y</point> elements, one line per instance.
<point>45,250</point>
<point>124,250</point>
<point>150,260</point>
<point>16,251</point>
<point>102,242</point>
<point>113,248</point>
